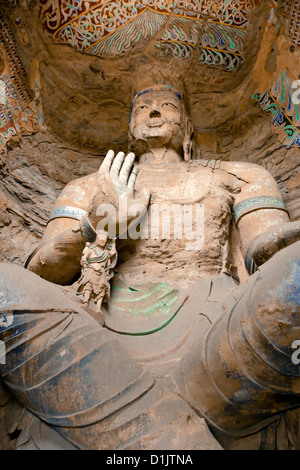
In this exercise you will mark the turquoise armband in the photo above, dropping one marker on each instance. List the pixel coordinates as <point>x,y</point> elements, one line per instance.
<point>69,212</point>
<point>254,203</point>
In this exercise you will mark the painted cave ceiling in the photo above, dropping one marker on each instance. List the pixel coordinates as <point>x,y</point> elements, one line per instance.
<point>73,65</point>
<point>216,30</point>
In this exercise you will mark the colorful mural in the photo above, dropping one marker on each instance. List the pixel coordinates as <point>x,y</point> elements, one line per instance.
<point>19,111</point>
<point>216,30</point>
<point>292,15</point>
<point>282,101</point>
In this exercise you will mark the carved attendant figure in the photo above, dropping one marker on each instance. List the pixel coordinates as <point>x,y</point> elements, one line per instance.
<point>97,263</point>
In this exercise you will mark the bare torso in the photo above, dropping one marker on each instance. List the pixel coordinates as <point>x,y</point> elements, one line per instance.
<point>177,253</point>
<point>186,257</point>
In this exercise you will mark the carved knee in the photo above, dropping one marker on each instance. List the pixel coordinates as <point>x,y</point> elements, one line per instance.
<point>244,374</point>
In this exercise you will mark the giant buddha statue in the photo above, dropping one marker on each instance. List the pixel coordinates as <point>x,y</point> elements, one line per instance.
<point>130,328</point>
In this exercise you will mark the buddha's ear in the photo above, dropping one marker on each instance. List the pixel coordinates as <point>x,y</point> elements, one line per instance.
<point>187,142</point>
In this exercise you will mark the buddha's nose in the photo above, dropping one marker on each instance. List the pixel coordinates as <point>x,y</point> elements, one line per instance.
<point>154,113</point>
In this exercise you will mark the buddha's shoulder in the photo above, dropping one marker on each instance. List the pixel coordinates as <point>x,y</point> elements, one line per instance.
<point>84,182</point>
<point>240,169</point>
<point>77,190</point>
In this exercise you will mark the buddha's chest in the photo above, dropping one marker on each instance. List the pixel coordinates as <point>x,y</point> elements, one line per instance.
<point>185,184</point>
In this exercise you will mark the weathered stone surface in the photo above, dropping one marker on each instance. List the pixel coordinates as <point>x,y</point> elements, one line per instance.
<point>86,103</point>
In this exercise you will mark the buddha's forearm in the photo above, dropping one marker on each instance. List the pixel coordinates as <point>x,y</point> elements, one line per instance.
<point>58,258</point>
<point>265,245</point>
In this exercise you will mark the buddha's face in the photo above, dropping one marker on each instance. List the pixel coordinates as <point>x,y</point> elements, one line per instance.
<point>157,119</point>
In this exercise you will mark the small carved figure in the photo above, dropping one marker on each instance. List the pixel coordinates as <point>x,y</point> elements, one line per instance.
<point>98,260</point>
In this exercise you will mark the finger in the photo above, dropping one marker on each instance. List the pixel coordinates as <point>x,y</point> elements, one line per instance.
<point>132,178</point>
<point>117,163</point>
<point>126,167</point>
<point>106,164</point>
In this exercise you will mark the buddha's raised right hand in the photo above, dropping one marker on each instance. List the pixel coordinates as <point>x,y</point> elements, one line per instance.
<point>114,202</point>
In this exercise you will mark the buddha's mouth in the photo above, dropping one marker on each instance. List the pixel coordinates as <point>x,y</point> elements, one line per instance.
<point>155,122</point>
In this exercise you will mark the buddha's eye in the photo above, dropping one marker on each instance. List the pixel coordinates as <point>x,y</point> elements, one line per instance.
<point>140,108</point>
<point>169,105</point>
